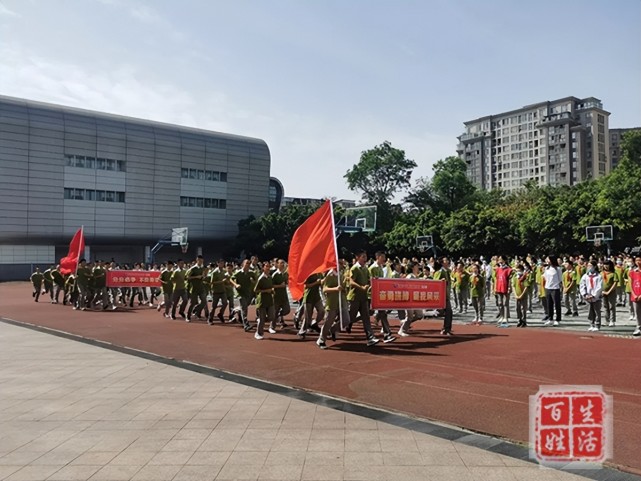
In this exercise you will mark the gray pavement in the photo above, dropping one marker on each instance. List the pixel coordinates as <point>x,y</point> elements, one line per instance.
<point>72,411</point>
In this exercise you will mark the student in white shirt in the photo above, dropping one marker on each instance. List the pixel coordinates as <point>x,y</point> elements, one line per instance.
<point>591,289</point>
<point>553,281</point>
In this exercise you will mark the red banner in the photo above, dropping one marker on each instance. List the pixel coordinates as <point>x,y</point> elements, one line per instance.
<point>133,278</point>
<point>393,294</point>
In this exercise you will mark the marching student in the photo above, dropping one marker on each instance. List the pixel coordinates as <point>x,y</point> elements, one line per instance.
<point>520,293</point>
<point>197,296</point>
<point>635,293</point>
<point>280,278</point>
<point>460,281</point>
<point>83,276</point>
<point>313,301</point>
<point>442,273</point>
<point>264,291</point>
<point>376,270</point>
<point>218,293</point>
<point>591,289</point>
<point>411,314</point>
<point>230,285</point>
<point>36,279</point>
<point>477,291</point>
<point>357,296</point>
<point>336,305</point>
<point>245,281</point>
<point>179,292</point>
<point>48,282</point>
<point>610,293</point>
<point>570,284</point>
<point>167,287</point>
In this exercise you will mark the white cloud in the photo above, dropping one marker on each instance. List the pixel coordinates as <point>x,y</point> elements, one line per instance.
<point>6,12</point>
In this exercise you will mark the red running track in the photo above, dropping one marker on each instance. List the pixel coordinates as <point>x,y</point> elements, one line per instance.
<point>480,379</point>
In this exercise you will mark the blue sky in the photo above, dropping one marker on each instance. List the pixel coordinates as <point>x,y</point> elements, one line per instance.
<point>320,81</point>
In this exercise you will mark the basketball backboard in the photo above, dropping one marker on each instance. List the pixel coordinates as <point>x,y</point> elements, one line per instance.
<point>599,233</point>
<point>180,235</point>
<point>358,219</point>
<point>424,242</point>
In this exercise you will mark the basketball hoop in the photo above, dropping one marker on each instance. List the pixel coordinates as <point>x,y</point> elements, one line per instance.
<point>597,242</point>
<point>598,239</point>
<point>423,247</point>
<point>184,248</point>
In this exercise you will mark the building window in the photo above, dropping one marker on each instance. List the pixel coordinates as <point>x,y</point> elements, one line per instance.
<point>88,162</point>
<point>203,203</point>
<point>199,174</point>
<point>94,195</point>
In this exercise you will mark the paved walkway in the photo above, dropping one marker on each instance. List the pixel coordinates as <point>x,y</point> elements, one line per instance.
<point>71,411</point>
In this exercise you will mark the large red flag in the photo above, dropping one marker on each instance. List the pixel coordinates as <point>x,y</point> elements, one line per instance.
<point>69,264</point>
<point>313,249</point>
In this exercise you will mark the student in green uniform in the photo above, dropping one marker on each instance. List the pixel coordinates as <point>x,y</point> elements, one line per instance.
<point>336,305</point>
<point>179,292</point>
<point>442,273</point>
<point>229,288</point>
<point>197,296</point>
<point>411,314</point>
<point>570,286</point>
<point>245,282</point>
<point>520,294</point>
<point>36,279</point>
<point>609,293</point>
<point>280,278</point>
<point>580,270</point>
<point>218,292</point>
<point>477,292</point>
<point>167,287</point>
<point>83,276</point>
<point>71,293</point>
<point>357,296</point>
<point>99,274</point>
<point>620,273</point>
<point>461,282</point>
<point>376,270</point>
<point>48,281</point>
<point>58,284</point>
<point>264,291</point>
<point>313,301</point>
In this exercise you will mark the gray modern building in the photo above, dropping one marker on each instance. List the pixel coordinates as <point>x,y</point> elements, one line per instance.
<point>127,181</point>
<point>559,142</point>
<point>616,136</point>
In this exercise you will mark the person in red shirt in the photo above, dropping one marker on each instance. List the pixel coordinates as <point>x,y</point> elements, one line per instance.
<point>635,293</point>
<point>502,290</point>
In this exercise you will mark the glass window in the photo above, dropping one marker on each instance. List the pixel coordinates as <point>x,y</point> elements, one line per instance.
<point>208,175</point>
<point>120,196</point>
<point>100,164</point>
<point>201,175</point>
<point>215,176</point>
<point>222,204</point>
<point>192,202</point>
<point>193,174</point>
<point>89,162</point>
<point>100,195</point>
<point>111,164</point>
<point>199,202</point>
<point>68,193</point>
<point>183,202</point>
<point>184,173</point>
<point>79,194</point>
<point>110,196</point>
<point>223,176</point>
<point>121,165</point>
<point>68,160</point>
<point>90,194</point>
<point>80,161</point>
<point>207,203</point>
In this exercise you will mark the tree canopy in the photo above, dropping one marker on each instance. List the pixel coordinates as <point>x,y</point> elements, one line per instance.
<point>464,220</point>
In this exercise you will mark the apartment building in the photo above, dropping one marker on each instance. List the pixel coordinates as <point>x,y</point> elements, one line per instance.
<point>616,136</point>
<point>559,142</point>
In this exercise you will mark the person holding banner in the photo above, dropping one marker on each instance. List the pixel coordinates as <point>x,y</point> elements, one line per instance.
<point>412,314</point>
<point>442,273</point>
<point>377,270</point>
<point>357,296</point>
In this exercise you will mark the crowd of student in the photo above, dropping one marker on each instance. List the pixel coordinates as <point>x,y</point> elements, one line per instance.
<point>224,291</point>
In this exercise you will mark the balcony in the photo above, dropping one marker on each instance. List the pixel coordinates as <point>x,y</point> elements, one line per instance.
<point>559,119</point>
<point>469,137</point>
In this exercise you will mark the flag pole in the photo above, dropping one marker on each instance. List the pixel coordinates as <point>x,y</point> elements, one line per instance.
<point>338,269</point>
<point>82,236</point>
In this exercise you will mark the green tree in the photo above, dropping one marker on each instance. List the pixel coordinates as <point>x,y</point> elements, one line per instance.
<point>379,175</point>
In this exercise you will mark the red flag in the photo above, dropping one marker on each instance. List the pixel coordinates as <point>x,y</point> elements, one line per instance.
<point>313,249</point>
<point>69,264</point>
